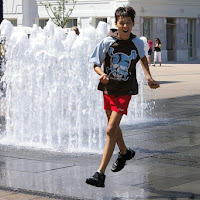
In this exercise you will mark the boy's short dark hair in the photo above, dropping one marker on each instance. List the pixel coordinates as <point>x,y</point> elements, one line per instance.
<point>125,11</point>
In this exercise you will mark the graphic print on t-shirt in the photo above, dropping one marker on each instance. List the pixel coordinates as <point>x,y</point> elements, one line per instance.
<point>120,63</point>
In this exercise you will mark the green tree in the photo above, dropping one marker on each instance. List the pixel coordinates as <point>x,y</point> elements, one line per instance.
<point>59,14</point>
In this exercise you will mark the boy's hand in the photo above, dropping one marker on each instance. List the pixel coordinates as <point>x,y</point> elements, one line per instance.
<point>153,84</point>
<point>104,79</point>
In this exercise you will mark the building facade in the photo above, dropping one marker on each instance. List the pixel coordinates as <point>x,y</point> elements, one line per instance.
<point>175,22</point>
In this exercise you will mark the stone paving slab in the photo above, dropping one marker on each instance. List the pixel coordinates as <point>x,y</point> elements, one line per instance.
<point>177,80</point>
<point>7,195</point>
<point>166,165</point>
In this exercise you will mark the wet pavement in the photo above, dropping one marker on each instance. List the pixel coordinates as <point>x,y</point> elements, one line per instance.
<point>166,165</point>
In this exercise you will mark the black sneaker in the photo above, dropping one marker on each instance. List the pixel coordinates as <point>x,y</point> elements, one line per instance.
<point>97,180</point>
<point>121,160</point>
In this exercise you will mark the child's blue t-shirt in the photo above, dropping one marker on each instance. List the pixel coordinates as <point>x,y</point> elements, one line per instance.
<point>119,58</point>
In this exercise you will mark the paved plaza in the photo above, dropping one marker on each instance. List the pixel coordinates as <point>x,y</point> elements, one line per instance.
<point>167,145</point>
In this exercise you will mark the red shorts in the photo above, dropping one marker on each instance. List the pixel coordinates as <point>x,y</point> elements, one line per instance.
<point>116,103</point>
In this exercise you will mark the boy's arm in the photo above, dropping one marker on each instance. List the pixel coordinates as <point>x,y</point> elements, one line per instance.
<point>103,77</point>
<point>152,83</point>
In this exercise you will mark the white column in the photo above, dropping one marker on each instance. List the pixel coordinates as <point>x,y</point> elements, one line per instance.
<point>30,12</point>
<point>197,28</point>
<point>159,31</point>
<point>181,40</point>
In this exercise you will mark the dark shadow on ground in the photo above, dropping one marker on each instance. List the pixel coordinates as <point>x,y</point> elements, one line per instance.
<point>167,82</point>
<point>171,195</point>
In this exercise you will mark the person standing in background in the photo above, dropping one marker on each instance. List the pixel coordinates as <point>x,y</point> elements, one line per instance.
<point>75,29</point>
<point>150,43</point>
<point>157,52</point>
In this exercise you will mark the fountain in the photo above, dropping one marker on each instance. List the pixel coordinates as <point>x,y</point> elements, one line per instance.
<point>51,98</point>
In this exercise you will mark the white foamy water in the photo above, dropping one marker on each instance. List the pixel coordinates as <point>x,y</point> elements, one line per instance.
<point>51,98</point>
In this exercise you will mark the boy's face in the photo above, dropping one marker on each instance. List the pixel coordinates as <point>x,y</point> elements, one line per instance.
<point>124,25</point>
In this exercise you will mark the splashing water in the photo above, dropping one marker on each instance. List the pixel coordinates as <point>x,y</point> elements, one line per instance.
<point>51,98</point>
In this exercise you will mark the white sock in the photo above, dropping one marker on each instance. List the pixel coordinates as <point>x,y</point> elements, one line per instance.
<point>100,172</point>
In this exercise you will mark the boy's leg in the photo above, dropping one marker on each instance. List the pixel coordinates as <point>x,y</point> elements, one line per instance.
<point>111,138</point>
<point>124,154</point>
<point>114,119</point>
<point>120,140</point>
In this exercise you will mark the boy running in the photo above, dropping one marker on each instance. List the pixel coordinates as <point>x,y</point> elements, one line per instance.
<point>119,55</point>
